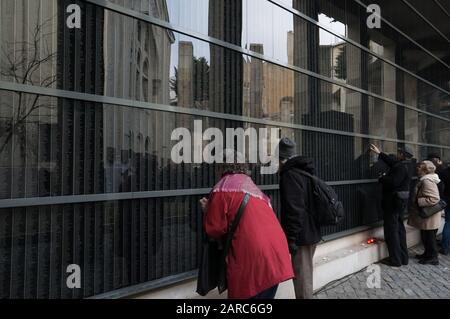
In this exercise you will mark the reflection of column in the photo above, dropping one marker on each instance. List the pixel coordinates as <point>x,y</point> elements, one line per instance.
<point>256,82</point>
<point>413,127</point>
<point>278,86</point>
<point>389,91</point>
<point>306,41</point>
<point>90,47</point>
<point>290,47</point>
<point>436,131</point>
<point>326,54</point>
<point>400,96</point>
<point>306,89</point>
<point>353,101</point>
<point>185,74</point>
<point>79,151</point>
<point>433,130</point>
<point>287,102</point>
<point>383,115</point>
<point>225,23</point>
<point>286,110</point>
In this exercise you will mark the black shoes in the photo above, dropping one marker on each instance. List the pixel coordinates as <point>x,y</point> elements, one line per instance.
<point>424,260</point>
<point>441,251</point>
<point>429,261</point>
<point>388,262</point>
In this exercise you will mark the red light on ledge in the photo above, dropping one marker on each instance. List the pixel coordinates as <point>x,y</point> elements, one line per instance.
<point>371,241</point>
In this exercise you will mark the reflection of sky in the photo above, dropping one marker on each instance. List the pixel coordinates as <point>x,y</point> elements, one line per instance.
<point>327,38</point>
<point>181,14</point>
<point>259,25</point>
<point>262,23</point>
<point>268,24</point>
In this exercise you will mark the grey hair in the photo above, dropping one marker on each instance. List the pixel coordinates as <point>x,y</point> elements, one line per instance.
<point>238,165</point>
<point>429,167</point>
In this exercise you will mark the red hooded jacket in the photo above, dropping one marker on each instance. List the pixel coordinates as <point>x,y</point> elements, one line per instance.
<point>259,256</point>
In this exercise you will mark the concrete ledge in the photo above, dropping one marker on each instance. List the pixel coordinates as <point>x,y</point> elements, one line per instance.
<point>333,260</point>
<point>332,264</point>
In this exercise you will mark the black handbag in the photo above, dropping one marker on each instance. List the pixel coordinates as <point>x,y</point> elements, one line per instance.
<point>428,211</point>
<point>212,271</point>
<point>209,268</point>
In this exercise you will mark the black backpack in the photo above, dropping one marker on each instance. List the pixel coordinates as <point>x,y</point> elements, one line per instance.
<point>328,209</point>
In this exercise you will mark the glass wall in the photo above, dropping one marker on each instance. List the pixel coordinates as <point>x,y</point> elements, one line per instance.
<point>87,115</point>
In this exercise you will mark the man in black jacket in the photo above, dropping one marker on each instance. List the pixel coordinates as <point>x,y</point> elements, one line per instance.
<point>396,187</point>
<point>302,231</point>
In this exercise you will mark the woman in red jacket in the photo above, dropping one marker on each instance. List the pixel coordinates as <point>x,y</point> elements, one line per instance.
<point>258,259</point>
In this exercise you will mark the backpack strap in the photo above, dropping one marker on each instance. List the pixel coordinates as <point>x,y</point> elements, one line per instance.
<point>314,182</point>
<point>313,178</point>
<point>307,174</point>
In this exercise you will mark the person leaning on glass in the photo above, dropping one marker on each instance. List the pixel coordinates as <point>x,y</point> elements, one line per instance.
<point>258,259</point>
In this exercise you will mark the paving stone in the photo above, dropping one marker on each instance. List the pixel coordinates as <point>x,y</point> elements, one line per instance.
<point>413,281</point>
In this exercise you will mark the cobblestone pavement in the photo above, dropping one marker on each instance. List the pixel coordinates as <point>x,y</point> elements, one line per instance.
<point>407,282</point>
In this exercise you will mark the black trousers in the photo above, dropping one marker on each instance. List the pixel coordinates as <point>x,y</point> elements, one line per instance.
<point>395,237</point>
<point>267,294</point>
<point>429,243</point>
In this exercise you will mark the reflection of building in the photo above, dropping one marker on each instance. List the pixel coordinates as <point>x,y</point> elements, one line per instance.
<point>433,130</point>
<point>333,62</point>
<point>268,89</point>
<point>137,65</point>
<point>132,214</point>
<point>269,92</point>
<point>137,55</point>
<point>56,146</point>
<point>137,62</point>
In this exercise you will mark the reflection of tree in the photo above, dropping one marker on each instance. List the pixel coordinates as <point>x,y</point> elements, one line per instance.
<point>341,66</point>
<point>173,82</point>
<point>200,84</point>
<point>23,63</point>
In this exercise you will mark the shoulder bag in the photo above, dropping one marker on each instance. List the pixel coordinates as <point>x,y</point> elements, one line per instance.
<point>428,211</point>
<point>212,272</point>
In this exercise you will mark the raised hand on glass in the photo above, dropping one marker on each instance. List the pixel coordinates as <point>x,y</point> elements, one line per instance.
<point>375,149</point>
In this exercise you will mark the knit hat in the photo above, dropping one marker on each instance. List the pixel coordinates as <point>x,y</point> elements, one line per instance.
<point>286,148</point>
<point>407,151</point>
<point>433,155</point>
